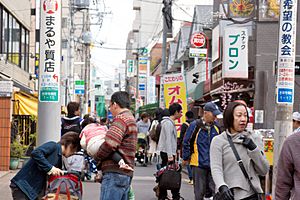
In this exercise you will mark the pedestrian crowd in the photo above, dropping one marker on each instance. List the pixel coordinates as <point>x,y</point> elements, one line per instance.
<point>223,159</point>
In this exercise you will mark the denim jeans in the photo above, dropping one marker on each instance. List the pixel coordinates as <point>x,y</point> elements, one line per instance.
<point>190,173</point>
<point>115,186</point>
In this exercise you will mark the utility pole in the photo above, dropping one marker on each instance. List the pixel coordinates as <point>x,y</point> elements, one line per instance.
<point>87,42</point>
<point>167,32</point>
<point>285,78</point>
<point>70,75</point>
<point>49,110</point>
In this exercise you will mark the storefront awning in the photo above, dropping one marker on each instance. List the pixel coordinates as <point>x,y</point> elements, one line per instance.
<point>25,104</point>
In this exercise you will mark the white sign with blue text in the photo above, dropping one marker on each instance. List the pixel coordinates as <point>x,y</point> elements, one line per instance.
<point>286,52</point>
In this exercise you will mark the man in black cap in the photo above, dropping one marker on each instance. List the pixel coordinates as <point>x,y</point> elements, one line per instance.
<point>196,145</point>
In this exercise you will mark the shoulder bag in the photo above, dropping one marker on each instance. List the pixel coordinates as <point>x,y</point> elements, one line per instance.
<point>258,196</point>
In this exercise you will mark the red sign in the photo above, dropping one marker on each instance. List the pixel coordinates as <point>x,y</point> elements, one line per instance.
<point>198,40</point>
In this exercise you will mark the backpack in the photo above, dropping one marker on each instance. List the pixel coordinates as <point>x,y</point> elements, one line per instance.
<point>155,132</point>
<point>200,125</point>
<point>67,126</point>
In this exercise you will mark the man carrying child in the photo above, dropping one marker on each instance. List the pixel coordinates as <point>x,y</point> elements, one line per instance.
<point>122,138</point>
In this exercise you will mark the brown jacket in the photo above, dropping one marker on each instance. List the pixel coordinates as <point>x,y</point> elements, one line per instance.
<point>288,175</point>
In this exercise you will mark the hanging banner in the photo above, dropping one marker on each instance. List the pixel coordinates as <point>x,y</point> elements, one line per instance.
<point>175,92</point>
<point>50,51</point>
<point>151,96</point>
<point>241,8</point>
<point>286,53</point>
<point>235,53</point>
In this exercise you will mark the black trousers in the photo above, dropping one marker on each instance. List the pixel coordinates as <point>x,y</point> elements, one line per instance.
<point>163,193</point>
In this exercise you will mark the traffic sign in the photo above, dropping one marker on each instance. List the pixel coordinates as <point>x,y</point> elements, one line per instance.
<point>79,87</point>
<point>198,40</point>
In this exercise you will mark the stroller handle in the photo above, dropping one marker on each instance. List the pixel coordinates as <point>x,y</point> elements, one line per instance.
<point>71,172</point>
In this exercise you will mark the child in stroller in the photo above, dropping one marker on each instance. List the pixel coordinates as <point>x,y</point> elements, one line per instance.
<point>141,152</point>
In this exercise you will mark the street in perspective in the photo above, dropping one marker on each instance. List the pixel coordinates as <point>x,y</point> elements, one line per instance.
<point>149,99</point>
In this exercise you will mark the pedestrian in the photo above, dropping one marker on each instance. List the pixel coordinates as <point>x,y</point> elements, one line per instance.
<point>152,133</point>
<point>230,180</point>
<point>196,148</point>
<point>288,176</point>
<point>120,137</point>
<point>72,122</point>
<point>30,181</point>
<point>189,115</point>
<point>143,124</point>
<point>296,122</point>
<point>167,145</point>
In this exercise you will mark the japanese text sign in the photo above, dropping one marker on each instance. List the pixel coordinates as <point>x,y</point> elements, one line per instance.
<point>235,53</point>
<point>50,51</point>
<point>286,52</point>
<point>175,92</point>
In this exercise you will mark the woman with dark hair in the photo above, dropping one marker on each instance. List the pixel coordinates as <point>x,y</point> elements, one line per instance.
<point>153,144</point>
<point>230,180</point>
<point>30,181</point>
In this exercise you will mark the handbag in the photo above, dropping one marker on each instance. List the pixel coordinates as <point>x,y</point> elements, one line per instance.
<point>170,179</point>
<point>240,163</point>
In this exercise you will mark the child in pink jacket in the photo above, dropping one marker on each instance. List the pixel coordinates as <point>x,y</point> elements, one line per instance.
<point>92,137</point>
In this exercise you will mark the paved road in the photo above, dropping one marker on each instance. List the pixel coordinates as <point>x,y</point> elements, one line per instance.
<point>143,183</point>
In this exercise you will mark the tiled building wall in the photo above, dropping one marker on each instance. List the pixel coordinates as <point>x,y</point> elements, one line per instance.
<point>5,104</point>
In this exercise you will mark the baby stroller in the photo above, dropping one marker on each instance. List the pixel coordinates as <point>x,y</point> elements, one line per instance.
<point>65,187</point>
<point>141,149</point>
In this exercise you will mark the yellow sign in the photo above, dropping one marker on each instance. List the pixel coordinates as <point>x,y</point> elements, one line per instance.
<point>175,92</point>
<point>268,149</point>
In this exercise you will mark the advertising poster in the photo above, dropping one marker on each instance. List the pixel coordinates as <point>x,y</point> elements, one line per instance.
<point>175,92</point>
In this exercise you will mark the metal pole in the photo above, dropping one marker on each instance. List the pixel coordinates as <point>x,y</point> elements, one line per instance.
<point>285,79</point>
<point>49,110</point>
<point>85,102</point>
<point>164,48</point>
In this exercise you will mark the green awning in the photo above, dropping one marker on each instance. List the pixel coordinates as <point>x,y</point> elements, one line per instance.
<point>149,108</point>
<point>197,93</point>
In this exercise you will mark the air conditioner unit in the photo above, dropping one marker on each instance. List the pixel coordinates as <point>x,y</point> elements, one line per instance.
<point>82,4</point>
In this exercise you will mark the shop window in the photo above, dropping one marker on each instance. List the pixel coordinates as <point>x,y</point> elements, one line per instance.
<point>15,53</point>
<point>14,40</point>
<point>23,47</point>
<point>26,53</point>
<point>4,32</point>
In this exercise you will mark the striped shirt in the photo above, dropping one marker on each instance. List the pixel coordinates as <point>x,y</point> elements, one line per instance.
<point>120,137</point>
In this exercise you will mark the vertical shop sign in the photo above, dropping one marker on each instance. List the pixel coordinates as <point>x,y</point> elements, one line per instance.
<point>50,51</point>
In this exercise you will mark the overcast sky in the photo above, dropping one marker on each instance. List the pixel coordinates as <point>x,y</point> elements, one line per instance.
<point>115,28</point>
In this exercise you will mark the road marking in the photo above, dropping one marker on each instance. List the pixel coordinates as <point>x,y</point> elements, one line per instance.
<point>143,178</point>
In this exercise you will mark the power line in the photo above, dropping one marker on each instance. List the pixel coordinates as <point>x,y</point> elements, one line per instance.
<point>182,9</point>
